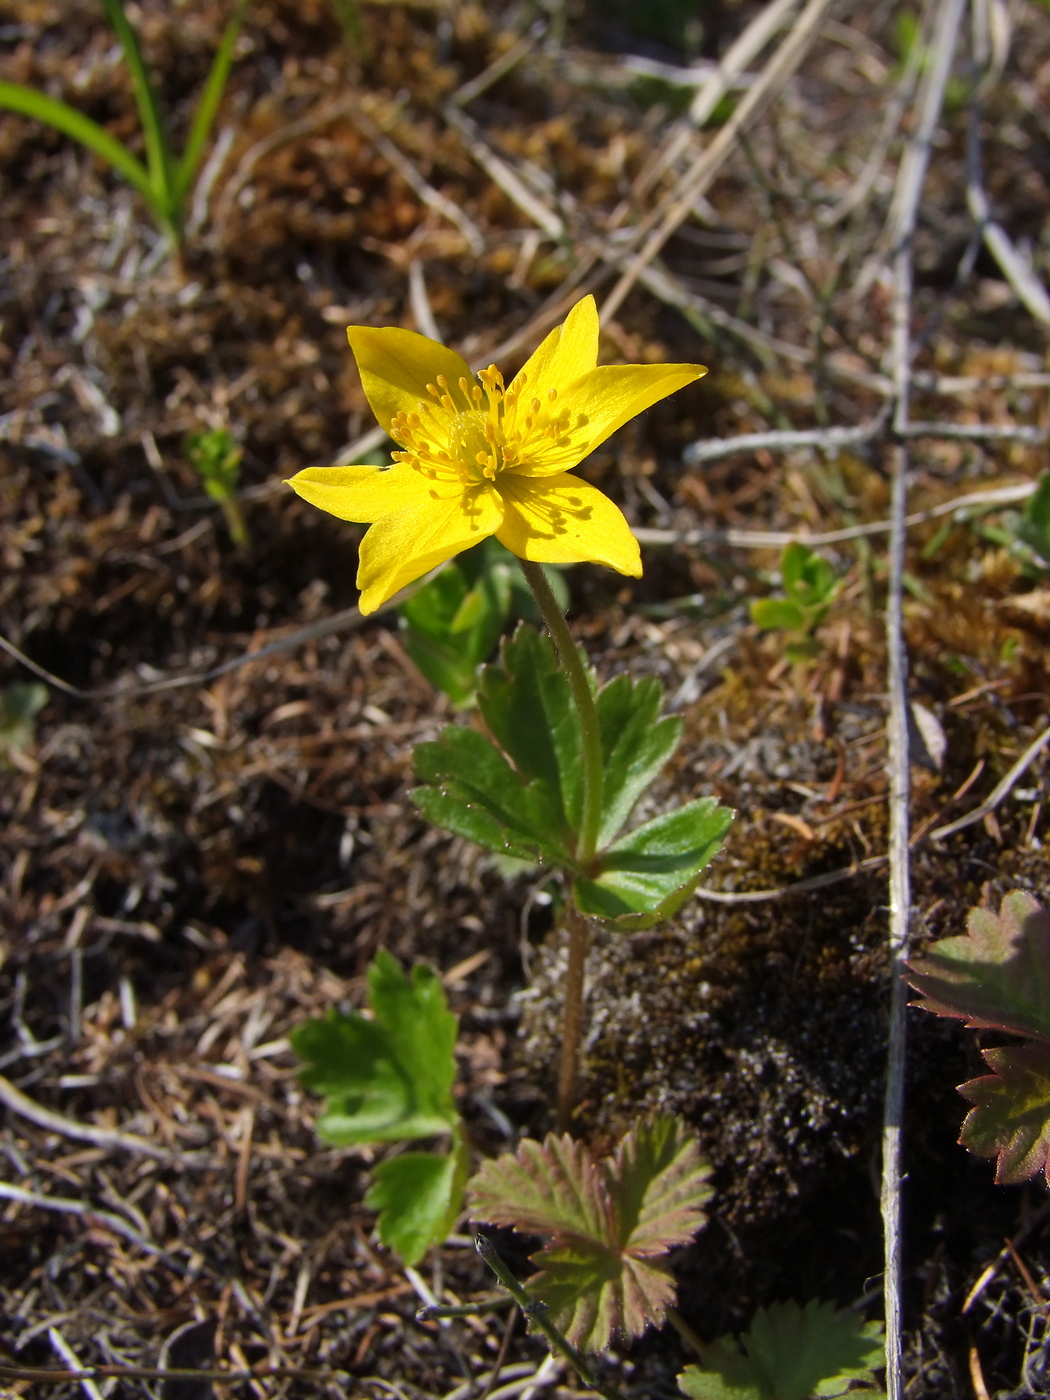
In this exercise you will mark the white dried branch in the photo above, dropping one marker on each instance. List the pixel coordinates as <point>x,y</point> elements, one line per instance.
<point>911,179</point>
<point>672,211</point>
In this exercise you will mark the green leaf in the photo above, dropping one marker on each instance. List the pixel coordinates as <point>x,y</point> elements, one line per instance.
<point>1010,1119</point>
<point>418,1196</point>
<point>636,744</point>
<point>648,874</point>
<point>158,152</point>
<point>808,579</point>
<point>473,791</point>
<point>452,624</point>
<point>997,975</point>
<point>610,1224</point>
<point>790,1353</point>
<point>526,701</point>
<point>1034,525</point>
<point>20,703</point>
<point>207,106</point>
<point>387,1079</point>
<point>777,615</point>
<point>30,103</point>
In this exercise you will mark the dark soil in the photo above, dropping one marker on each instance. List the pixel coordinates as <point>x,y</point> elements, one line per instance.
<point>188,872</point>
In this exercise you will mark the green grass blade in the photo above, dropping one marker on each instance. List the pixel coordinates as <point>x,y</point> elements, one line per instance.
<point>207,107</point>
<point>158,152</point>
<point>30,103</point>
<point>350,18</point>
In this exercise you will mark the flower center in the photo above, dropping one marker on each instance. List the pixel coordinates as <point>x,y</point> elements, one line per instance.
<point>470,433</point>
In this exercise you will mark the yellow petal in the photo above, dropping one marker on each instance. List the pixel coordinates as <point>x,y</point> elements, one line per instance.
<point>563,520</point>
<point>568,352</point>
<point>361,493</point>
<point>397,365</point>
<point>405,545</point>
<point>598,403</point>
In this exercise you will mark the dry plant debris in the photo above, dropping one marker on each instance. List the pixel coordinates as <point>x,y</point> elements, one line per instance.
<point>188,872</point>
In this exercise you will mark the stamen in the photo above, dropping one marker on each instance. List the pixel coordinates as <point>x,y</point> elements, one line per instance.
<point>552,394</point>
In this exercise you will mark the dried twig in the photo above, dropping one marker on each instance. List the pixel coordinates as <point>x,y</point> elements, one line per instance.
<point>909,190</point>
<point>670,213</point>
<point>26,1107</point>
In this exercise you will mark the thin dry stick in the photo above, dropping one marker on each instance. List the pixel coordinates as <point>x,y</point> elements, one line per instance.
<point>776,539</point>
<point>26,1107</point>
<point>672,212</point>
<point>66,1205</point>
<point>742,52</point>
<point>1021,277</point>
<point>912,178</point>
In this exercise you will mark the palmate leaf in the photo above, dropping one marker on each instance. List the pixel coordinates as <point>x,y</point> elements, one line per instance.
<point>609,1224</point>
<point>1010,1119</point>
<point>790,1353</point>
<point>471,789</point>
<point>388,1079</point>
<point>649,873</point>
<point>997,975</point>
<point>636,743</point>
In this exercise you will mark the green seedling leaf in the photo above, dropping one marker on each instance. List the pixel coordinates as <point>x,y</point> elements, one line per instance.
<point>207,107</point>
<point>997,975</point>
<point>387,1079</point>
<point>20,703</point>
<point>158,151</point>
<point>1034,525</point>
<point>418,1196</point>
<point>777,615</point>
<point>649,873</point>
<point>473,791</point>
<point>216,458</point>
<point>636,743</point>
<point>1010,1119</point>
<point>790,1353</point>
<point>15,97</point>
<point>610,1224</point>
<point>808,579</point>
<point>453,623</point>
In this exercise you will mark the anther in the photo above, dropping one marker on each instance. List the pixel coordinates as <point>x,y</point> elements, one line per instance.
<point>552,394</point>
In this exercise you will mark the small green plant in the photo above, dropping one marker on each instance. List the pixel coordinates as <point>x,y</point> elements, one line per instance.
<point>609,1224</point>
<point>810,587</point>
<point>452,624</point>
<point>996,976</point>
<point>1033,526</point>
<point>20,703</point>
<point>164,181</point>
<point>390,1079</point>
<point>216,458</point>
<point>790,1353</point>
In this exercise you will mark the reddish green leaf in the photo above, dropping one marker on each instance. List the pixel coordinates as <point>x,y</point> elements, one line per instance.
<point>997,975</point>
<point>609,1223</point>
<point>1010,1119</point>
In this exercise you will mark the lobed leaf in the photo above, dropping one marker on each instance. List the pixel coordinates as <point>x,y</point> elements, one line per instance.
<point>388,1079</point>
<point>609,1223</point>
<point>418,1196</point>
<point>1010,1119</point>
<point>472,790</point>
<point>652,871</point>
<point>789,1353</point>
<point>526,701</point>
<point>996,975</point>
<point>636,744</point>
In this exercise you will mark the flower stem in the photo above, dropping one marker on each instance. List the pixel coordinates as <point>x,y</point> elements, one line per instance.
<point>572,1017</point>
<point>536,1312</point>
<point>591,816</point>
<point>587,841</point>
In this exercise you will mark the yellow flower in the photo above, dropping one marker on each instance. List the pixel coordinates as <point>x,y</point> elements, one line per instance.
<point>480,459</point>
